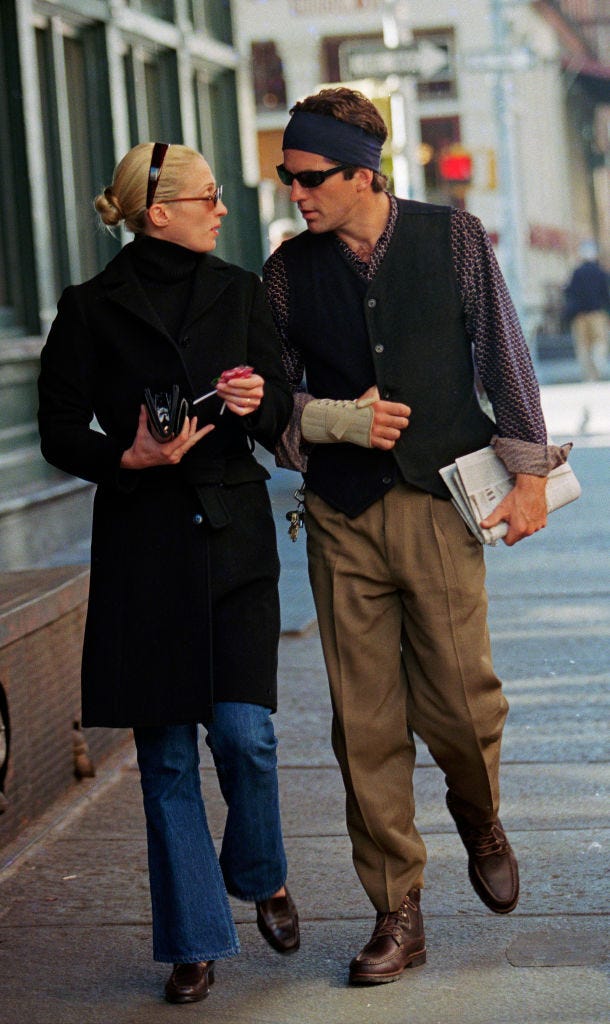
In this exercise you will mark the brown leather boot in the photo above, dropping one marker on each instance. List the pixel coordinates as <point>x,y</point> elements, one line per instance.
<point>397,942</point>
<point>492,865</point>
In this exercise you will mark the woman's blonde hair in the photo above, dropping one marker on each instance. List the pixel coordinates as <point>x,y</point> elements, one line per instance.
<point>125,198</point>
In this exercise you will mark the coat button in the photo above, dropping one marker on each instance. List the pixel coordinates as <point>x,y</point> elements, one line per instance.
<point>371,303</point>
<point>185,340</point>
<point>378,349</point>
<point>197,519</point>
<point>386,479</point>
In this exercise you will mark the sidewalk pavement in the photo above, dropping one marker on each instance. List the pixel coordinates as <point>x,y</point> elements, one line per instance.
<point>74,904</point>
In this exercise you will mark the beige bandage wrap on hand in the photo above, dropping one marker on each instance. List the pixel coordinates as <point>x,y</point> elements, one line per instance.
<point>328,421</point>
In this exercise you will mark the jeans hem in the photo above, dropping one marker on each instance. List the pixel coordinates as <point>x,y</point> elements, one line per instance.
<point>194,958</point>
<point>257,897</point>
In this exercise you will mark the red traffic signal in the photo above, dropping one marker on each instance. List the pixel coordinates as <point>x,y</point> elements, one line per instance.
<point>455,166</point>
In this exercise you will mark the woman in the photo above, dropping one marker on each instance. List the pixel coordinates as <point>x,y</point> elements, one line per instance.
<point>183,617</point>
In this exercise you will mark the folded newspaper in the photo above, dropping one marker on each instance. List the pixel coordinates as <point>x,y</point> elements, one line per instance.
<point>478,482</point>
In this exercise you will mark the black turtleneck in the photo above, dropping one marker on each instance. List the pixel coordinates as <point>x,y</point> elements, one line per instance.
<point>166,272</point>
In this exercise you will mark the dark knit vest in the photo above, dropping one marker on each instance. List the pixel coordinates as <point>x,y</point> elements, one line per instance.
<point>403,331</point>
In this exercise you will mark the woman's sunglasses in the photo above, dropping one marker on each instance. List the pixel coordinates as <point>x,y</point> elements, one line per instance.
<point>213,198</point>
<point>308,179</point>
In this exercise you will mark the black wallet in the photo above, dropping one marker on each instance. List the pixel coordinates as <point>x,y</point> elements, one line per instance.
<point>166,413</point>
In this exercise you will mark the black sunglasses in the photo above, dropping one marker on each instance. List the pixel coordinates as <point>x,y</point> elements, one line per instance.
<point>156,163</point>
<point>308,179</point>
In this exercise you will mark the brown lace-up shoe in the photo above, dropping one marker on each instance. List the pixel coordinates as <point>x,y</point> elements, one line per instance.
<point>278,923</point>
<point>492,865</point>
<point>397,942</point>
<point>189,983</point>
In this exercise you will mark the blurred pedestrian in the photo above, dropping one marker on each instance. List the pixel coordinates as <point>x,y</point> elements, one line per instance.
<point>183,618</point>
<point>587,308</point>
<point>380,304</point>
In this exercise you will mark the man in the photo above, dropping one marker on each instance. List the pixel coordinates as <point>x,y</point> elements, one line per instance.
<point>382,300</point>
<point>587,306</point>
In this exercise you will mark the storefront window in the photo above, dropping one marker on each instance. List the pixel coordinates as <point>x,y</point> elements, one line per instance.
<point>151,78</point>
<point>156,8</point>
<point>214,17</point>
<point>18,293</point>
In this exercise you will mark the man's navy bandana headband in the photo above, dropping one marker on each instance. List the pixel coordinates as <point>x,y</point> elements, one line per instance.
<point>336,140</point>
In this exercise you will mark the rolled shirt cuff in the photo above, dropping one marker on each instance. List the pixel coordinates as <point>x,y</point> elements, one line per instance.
<point>528,457</point>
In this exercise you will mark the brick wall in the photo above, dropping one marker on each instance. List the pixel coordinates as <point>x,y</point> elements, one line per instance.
<point>42,614</point>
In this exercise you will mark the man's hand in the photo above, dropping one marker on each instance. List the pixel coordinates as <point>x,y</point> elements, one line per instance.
<point>389,418</point>
<point>523,508</point>
<point>146,452</point>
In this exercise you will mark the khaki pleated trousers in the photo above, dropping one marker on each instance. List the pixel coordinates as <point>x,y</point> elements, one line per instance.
<point>402,611</point>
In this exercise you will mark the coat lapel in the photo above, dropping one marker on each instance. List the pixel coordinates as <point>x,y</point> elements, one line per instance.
<point>122,286</point>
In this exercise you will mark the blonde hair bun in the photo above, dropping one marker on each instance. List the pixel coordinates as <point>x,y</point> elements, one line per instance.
<point>109,208</point>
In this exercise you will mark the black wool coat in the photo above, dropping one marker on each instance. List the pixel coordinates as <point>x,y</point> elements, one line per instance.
<point>183,557</point>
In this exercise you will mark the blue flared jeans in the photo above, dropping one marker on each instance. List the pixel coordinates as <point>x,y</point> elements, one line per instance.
<point>189,882</point>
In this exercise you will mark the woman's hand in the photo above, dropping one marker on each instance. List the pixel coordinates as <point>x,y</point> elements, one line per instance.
<point>146,452</point>
<point>242,395</point>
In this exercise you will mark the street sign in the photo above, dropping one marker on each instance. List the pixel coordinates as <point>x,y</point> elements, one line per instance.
<point>500,61</point>
<point>373,60</point>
